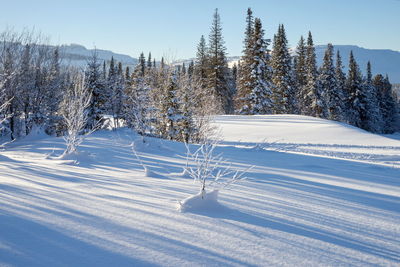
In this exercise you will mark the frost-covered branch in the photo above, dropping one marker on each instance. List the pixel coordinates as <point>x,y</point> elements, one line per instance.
<point>210,169</point>
<point>74,112</point>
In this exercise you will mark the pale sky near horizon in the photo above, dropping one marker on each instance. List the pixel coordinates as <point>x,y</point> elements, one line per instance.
<point>174,27</point>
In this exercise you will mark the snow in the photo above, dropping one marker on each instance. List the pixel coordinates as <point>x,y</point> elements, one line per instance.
<point>313,197</point>
<point>201,202</point>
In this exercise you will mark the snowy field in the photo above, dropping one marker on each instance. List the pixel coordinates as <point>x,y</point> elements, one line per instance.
<point>320,194</point>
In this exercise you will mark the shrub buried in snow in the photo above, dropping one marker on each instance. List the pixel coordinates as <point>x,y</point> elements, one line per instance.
<point>209,170</point>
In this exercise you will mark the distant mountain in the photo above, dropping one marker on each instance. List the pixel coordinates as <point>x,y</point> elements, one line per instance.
<point>78,55</point>
<point>383,61</point>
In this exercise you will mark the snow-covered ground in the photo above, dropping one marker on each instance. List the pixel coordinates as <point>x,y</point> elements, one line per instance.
<point>320,193</point>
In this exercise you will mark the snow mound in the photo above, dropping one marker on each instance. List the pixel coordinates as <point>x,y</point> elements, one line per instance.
<point>200,202</point>
<point>79,158</point>
<point>151,174</point>
<point>36,133</point>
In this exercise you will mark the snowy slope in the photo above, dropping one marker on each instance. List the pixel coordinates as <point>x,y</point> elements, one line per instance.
<point>296,208</point>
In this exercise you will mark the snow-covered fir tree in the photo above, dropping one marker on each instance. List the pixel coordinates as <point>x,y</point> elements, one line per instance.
<point>217,68</point>
<point>137,102</point>
<point>169,125</point>
<point>340,77</point>
<point>388,107</point>
<point>281,73</point>
<point>244,86</point>
<point>312,95</point>
<point>300,65</point>
<point>95,82</point>
<point>356,97</point>
<point>204,97</point>
<point>254,95</point>
<point>327,80</point>
<point>373,117</point>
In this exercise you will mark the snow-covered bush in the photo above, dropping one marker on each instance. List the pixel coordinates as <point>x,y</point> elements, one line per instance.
<point>212,173</point>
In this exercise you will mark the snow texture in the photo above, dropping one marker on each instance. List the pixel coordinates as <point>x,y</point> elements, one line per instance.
<point>321,193</point>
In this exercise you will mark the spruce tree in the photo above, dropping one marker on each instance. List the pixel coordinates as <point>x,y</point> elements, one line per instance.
<point>170,111</point>
<point>373,117</point>
<point>300,65</point>
<point>149,63</point>
<point>388,107</point>
<point>281,73</point>
<point>340,77</point>
<point>299,72</point>
<point>142,64</point>
<point>244,86</point>
<point>356,97</point>
<point>327,80</point>
<point>217,71</point>
<point>261,95</point>
<point>96,87</point>
<point>311,95</point>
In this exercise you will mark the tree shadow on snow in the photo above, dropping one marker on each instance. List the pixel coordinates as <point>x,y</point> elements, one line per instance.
<point>28,243</point>
<point>290,227</point>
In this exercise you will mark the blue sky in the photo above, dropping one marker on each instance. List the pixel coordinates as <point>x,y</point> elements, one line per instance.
<point>173,27</point>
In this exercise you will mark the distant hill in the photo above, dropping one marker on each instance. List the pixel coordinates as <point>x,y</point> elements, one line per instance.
<point>78,55</point>
<point>383,61</point>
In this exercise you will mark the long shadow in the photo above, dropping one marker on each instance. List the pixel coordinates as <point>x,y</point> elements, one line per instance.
<point>376,200</point>
<point>28,243</point>
<point>290,227</point>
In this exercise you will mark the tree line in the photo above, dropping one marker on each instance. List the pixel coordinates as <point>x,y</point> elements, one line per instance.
<point>160,99</point>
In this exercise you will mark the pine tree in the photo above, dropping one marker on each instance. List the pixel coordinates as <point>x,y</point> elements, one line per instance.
<point>162,64</point>
<point>170,113</point>
<point>99,95</point>
<point>186,95</point>
<point>149,63</point>
<point>373,117</point>
<point>217,71</point>
<point>244,86</point>
<point>300,72</point>
<point>281,66</point>
<point>118,96</point>
<point>136,109</point>
<point>312,95</point>
<point>300,66</point>
<point>142,64</point>
<point>200,68</point>
<point>191,69</point>
<point>356,97</point>
<point>342,93</point>
<point>388,108</point>
<point>261,94</point>
<point>327,80</point>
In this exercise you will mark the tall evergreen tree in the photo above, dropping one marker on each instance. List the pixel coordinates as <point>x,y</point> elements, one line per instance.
<point>217,71</point>
<point>311,95</point>
<point>244,86</point>
<point>388,108</point>
<point>356,98</point>
<point>373,117</point>
<point>327,80</point>
<point>149,63</point>
<point>300,71</point>
<point>281,73</point>
<point>142,64</point>
<point>259,98</point>
<point>340,77</point>
<point>99,94</point>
